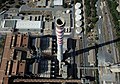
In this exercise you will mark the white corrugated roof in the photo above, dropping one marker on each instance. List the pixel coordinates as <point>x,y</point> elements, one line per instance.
<point>25,24</point>
<point>58,2</point>
<point>115,68</point>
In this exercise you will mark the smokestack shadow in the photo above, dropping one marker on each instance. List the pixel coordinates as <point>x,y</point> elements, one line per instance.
<point>96,46</point>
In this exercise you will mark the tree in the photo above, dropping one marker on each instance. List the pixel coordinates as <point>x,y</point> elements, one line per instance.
<point>94,19</point>
<point>17,6</point>
<point>11,1</point>
<point>88,29</point>
<point>65,5</point>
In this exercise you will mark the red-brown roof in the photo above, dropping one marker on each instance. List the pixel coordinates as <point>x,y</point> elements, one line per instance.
<point>19,38</point>
<point>21,69</point>
<point>6,79</point>
<point>6,57</point>
<point>15,67</point>
<point>25,41</point>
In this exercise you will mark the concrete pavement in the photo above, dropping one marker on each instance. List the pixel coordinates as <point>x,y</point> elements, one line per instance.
<point>105,34</point>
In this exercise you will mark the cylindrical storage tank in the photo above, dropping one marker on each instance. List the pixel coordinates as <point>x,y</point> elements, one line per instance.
<point>77,5</point>
<point>78,17</point>
<point>78,30</point>
<point>60,33</point>
<point>78,12</point>
<point>78,24</point>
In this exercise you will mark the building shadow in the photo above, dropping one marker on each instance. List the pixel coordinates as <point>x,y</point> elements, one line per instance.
<point>96,46</point>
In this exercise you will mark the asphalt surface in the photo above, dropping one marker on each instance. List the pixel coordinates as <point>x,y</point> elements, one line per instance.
<point>110,32</point>
<point>111,37</point>
<point>80,59</point>
<point>105,34</point>
<point>85,45</point>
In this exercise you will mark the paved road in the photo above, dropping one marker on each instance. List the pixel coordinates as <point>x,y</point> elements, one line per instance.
<point>111,37</point>
<point>101,51</point>
<point>80,44</point>
<point>105,30</point>
<point>84,44</point>
<point>110,32</point>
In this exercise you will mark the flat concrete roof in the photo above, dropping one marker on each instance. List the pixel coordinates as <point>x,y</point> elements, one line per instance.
<point>91,57</point>
<point>48,28</point>
<point>67,19</point>
<point>12,10</point>
<point>9,23</point>
<point>58,2</point>
<point>108,77</point>
<point>41,3</point>
<point>26,24</point>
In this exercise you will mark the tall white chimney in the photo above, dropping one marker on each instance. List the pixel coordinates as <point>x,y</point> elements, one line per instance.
<point>60,33</point>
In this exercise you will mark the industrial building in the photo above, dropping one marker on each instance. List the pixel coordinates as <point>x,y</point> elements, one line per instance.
<point>43,44</point>
<point>22,25</point>
<point>30,55</point>
<point>58,2</point>
<point>16,61</point>
<point>41,3</point>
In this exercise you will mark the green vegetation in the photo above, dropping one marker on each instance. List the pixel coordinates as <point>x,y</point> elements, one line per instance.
<point>87,5</point>
<point>78,1</point>
<point>115,14</point>
<point>91,19</point>
<point>94,19</point>
<point>17,6</point>
<point>65,5</point>
<point>91,14</point>
<point>88,28</point>
<point>3,1</point>
<point>21,3</point>
<point>11,1</point>
<point>116,17</point>
<point>96,65</point>
<point>2,41</point>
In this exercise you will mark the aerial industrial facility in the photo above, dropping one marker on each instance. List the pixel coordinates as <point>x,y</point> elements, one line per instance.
<point>46,42</point>
<point>36,44</point>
